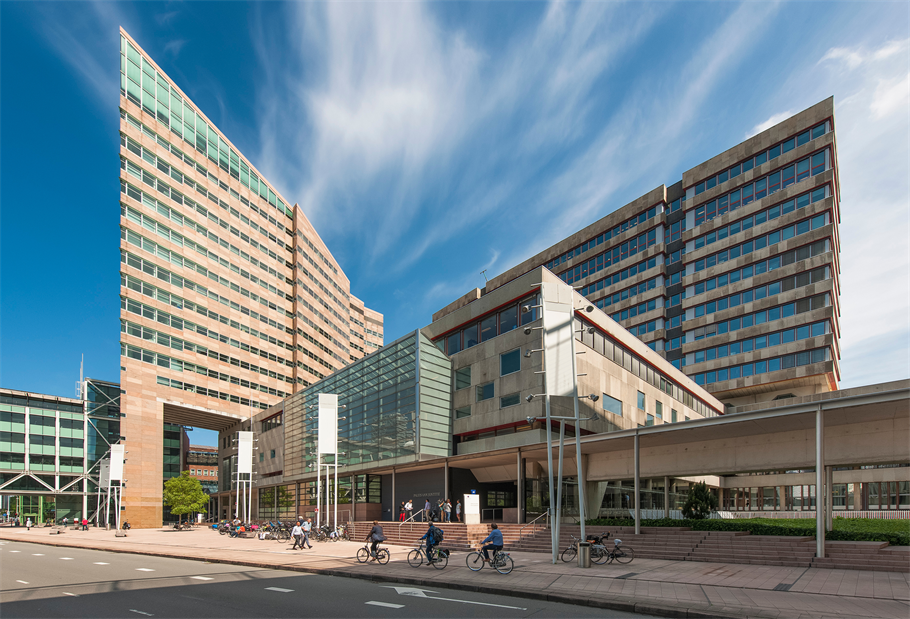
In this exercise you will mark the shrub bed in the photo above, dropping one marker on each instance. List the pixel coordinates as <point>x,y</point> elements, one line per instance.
<point>895,532</point>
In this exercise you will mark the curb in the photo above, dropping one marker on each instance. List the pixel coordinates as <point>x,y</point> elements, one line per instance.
<point>698,611</point>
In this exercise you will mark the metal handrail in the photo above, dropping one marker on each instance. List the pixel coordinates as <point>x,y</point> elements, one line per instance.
<point>543,515</point>
<point>411,520</point>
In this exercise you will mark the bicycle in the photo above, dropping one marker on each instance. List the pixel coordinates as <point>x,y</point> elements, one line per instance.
<point>437,558</point>
<point>382,554</point>
<point>599,553</point>
<point>501,561</point>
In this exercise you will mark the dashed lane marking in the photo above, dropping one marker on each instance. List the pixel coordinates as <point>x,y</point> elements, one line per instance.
<point>66,558</point>
<point>15,551</point>
<point>141,613</point>
<point>24,582</point>
<point>202,578</point>
<point>385,604</point>
<point>144,569</point>
<point>279,589</point>
<point>70,594</point>
<point>101,563</point>
<point>37,554</point>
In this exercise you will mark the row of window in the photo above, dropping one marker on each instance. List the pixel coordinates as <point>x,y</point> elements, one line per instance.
<point>163,231</point>
<point>203,472</point>
<point>801,201</point>
<point>606,346</point>
<point>177,259</point>
<point>642,329</point>
<point>212,393</point>
<point>775,313</point>
<point>606,236</point>
<point>774,182</point>
<point>322,316</point>
<point>271,423</point>
<point>817,355</point>
<point>764,266</point>
<point>173,174</point>
<point>760,292</point>
<point>634,311</point>
<point>762,341</point>
<point>162,360</point>
<point>322,272</point>
<point>620,276</point>
<point>622,295</point>
<point>170,341</point>
<point>509,363</point>
<point>151,90</point>
<point>186,159</point>
<point>489,327</point>
<point>753,162</point>
<point>344,306</point>
<point>760,242</point>
<point>610,257</point>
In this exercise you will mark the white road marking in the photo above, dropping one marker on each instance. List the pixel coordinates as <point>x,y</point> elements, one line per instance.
<point>141,613</point>
<point>66,558</point>
<point>144,569</point>
<point>70,594</point>
<point>422,593</point>
<point>101,563</point>
<point>15,551</point>
<point>38,554</point>
<point>24,582</point>
<point>202,578</point>
<point>385,604</point>
<point>278,589</point>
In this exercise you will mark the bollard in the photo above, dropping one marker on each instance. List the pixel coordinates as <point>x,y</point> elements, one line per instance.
<point>584,554</point>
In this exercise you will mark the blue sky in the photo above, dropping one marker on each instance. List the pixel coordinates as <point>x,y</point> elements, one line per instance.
<point>428,142</point>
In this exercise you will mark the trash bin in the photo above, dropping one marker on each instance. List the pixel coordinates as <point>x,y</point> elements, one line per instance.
<point>584,554</point>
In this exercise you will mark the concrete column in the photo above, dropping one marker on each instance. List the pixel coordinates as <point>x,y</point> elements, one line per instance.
<point>829,498</point>
<point>594,496</point>
<point>520,502</point>
<point>637,486</point>
<point>394,502</point>
<point>819,484</point>
<point>666,497</point>
<point>446,485</point>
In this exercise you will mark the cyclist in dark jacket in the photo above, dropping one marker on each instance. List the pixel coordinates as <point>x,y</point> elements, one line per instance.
<point>495,539</point>
<point>376,535</point>
<point>430,536</point>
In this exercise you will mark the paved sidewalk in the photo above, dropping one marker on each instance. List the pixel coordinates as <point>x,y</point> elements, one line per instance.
<point>659,587</point>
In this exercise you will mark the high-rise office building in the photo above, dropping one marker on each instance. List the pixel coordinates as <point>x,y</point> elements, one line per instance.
<point>230,301</point>
<point>731,273</point>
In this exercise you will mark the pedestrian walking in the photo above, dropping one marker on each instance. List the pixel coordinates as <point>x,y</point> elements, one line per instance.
<point>85,524</point>
<point>426,511</point>
<point>28,524</point>
<point>297,533</point>
<point>448,510</point>
<point>458,511</point>
<point>64,522</point>
<point>307,527</point>
<point>409,507</point>
<point>401,511</point>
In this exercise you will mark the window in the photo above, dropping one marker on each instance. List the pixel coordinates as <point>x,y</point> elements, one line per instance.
<point>261,457</point>
<point>659,410</point>
<point>485,392</point>
<point>500,498</point>
<point>461,413</point>
<point>453,343</point>
<point>613,405</point>
<point>272,453</point>
<point>641,401</point>
<point>513,399</point>
<point>463,377</point>
<point>510,362</point>
<point>673,415</point>
<point>488,328</point>
<point>508,319</point>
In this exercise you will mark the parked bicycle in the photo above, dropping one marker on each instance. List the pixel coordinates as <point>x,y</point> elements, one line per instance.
<point>382,554</point>
<point>600,554</point>
<point>501,561</point>
<point>438,558</point>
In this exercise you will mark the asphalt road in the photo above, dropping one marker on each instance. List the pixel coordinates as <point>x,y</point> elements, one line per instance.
<point>45,581</point>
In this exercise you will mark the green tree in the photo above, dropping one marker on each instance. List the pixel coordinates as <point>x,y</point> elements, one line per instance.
<point>184,495</point>
<point>700,502</point>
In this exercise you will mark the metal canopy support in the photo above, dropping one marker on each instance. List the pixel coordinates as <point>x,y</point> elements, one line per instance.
<point>578,461</point>
<point>637,452</point>
<point>666,497</point>
<point>558,524</point>
<point>521,488</point>
<point>819,484</point>
<point>394,497</point>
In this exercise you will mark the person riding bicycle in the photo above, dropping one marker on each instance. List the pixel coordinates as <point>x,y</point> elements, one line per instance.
<point>432,536</point>
<point>495,539</point>
<point>376,535</point>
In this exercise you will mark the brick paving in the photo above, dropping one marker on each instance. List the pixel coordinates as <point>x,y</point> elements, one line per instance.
<point>657,586</point>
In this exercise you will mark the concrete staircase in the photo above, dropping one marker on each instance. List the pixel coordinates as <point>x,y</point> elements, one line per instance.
<point>673,543</point>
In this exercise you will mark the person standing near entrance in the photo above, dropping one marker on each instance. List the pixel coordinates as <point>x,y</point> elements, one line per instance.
<point>458,511</point>
<point>28,524</point>
<point>448,510</point>
<point>85,524</point>
<point>426,511</point>
<point>409,507</point>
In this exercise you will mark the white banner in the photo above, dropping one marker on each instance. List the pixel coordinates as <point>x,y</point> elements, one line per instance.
<point>328,423</point>
<point>104,470</point>
<point>245,453</point>
<point>116,471</point>
<point>558,334</point>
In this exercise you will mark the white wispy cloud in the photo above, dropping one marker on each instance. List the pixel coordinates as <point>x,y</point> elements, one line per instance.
<point>767,124</point>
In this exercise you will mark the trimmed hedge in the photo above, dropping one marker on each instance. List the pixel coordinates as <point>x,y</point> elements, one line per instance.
<point>895,532</point>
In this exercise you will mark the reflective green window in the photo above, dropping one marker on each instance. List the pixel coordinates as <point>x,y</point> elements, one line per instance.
<point>510,362</point>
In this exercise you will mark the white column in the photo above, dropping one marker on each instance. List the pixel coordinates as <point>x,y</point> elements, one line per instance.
<point>829,498</point>
<point>819,484</point>
<point>637,486</point>
<point>666,497</point>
